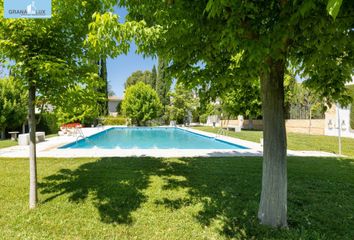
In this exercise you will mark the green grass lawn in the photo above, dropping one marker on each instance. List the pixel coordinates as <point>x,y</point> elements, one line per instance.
<point>296,141</point>
<point>9,143</point>
<point>192,198</point>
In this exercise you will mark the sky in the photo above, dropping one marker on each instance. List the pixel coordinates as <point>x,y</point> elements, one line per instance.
<point>120,68</point>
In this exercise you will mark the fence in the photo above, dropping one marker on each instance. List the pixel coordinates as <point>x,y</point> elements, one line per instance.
<point>314,127</point>
<point>254,124</point>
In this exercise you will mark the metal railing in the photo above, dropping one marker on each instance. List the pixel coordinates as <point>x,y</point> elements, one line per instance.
<point>221,132</point>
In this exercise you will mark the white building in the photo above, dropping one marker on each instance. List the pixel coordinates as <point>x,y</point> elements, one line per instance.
<point>113,102</point>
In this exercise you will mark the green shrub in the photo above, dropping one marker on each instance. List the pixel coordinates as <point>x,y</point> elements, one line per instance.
<point>48,123</point>
<point>114,120</point>
<point>141,104</point>
<point>203,118</point>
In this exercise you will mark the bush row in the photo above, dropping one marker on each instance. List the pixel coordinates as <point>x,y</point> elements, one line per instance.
<point>113,120</point>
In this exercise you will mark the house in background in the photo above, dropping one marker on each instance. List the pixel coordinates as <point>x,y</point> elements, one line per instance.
<point>113,102</point>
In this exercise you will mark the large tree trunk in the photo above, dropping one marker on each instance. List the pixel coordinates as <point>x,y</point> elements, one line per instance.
<point>273,204</point>
<point>32,145</point>
<point>103,75</point>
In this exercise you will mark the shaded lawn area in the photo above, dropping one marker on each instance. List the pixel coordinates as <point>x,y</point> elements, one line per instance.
<point>190,198</point>
<point>296,141</point>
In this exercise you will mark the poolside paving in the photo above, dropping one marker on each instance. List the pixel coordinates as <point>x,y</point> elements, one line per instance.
<point>49,148</point>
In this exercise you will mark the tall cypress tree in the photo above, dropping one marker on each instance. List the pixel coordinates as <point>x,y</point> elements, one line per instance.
<point>163,83</point>
<point>104,89</point>
<point>153,77</point>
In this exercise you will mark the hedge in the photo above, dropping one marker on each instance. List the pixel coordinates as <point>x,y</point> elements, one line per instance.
<point>113,120</point>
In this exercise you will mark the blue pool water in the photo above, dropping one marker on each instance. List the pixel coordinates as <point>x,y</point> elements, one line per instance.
<point>150,138</point>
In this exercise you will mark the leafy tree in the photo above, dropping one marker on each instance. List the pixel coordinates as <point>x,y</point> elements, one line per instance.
<point>289,85</point>
<point>182,103</point>
<point>351,92</point>
<point>210,109</point>
<point>213,43</point>
<point>238,40</point>
<point>13,104</point>
<point>138,76</point>
<point>84,108</point>
<point>50,59</point>
<point>119,108</point>
<point>244,99</point>
<point>141,103</point>
<point>304,103</point>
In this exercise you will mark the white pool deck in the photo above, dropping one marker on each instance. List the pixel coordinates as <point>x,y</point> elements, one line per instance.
<point>49,148</point>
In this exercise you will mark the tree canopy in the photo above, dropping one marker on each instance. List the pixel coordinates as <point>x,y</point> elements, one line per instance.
<point>52,61</point>
<point>214,43</point>
<point>139,76</point>
<point>244,99</point>
<point>13,104</point>
<point>141,104</point>
<point>182,104</point>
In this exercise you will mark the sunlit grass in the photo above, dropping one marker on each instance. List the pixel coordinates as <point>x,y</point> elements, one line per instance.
<point>296,141</point>
<point>7,143</point>
<point>192,198</point>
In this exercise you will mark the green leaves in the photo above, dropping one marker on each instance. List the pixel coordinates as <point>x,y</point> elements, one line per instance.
<point>182,103</point>
<point>139,76</point>
<point>333,7</point>
<point>141,104</point>
<point>13,100</point>
<point>110,38</point>
<point>52,54</point>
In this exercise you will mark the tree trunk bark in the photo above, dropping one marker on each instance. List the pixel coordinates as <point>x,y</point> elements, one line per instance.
<point>105,77</point>
<point>2,134</point>
<point>104,89</point>
<point>32,145</point>
<point>273,203</point>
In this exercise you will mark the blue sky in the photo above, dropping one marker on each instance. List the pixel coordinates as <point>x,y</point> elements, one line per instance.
<point>120,68</point>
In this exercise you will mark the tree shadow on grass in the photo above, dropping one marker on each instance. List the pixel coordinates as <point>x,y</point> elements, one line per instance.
<point>226,190</point>
<point>116,185</point>
<point>229,191</point>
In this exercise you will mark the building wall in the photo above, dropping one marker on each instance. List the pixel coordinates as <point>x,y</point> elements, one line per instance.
<point>112,106</point>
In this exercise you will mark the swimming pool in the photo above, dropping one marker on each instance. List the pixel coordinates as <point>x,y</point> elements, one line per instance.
<point>150,138</point>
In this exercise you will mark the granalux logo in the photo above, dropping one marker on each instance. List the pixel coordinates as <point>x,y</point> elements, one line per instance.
<point>27,9</point>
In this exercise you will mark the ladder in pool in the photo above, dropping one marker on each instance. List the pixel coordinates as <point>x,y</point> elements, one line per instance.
<point>79,134</point>
<point>220,132</point>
